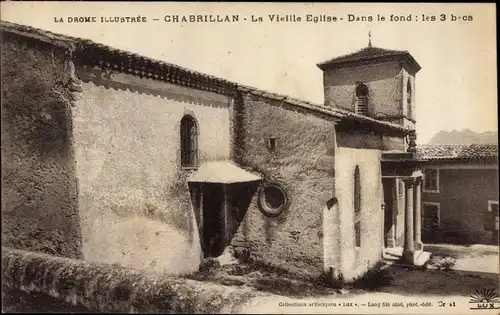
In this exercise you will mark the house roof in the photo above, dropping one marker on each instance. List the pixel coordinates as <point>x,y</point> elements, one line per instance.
<point>91,52</point>
<point>370,54</point>
<point>222,172</point>
<point>458,152</point>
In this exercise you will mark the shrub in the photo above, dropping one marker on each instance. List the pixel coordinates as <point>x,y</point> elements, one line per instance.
<point>373,278</point>
<point>327,280</point>
<point>442,263</point>
<point>242,254</point>
<point>209,267</point>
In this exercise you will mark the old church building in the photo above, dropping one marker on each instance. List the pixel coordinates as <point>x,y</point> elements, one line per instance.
<point>103,149</point>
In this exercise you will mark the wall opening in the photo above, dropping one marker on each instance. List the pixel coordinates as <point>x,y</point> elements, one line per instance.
<point>409,98</point>
<point>272,200</point>
<point>214,229</point>
<point>362,95</point>
<point>189,142</point>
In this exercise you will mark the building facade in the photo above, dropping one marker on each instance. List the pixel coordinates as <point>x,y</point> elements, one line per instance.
<point>166,166</point>
<point>460,194</point>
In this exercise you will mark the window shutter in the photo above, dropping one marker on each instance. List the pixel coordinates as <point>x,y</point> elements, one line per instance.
<point>489,220</point>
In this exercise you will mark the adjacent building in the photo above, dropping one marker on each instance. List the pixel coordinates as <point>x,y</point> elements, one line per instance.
<point>460,193</point>
<point>115,157</point>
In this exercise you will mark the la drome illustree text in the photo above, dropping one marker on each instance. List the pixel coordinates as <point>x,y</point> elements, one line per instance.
<point>273,18</point>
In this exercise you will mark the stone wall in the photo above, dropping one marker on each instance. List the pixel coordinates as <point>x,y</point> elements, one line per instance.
<point>39,194</point>
<point>38,282</point>
<point>384,82</point>
<point>463,197</point>
<point>357,138</point>
<point>134,200</point>
<point>302,163</point>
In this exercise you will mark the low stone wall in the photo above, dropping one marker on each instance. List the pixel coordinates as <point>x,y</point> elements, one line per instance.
<point>28,277</point>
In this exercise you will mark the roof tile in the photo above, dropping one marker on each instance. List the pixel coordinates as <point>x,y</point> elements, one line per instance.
<point>368,53</point>
<point>170,71</point>
<point>458,152</point>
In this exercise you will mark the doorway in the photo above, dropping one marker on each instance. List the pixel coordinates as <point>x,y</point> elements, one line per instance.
<point>213,220</point>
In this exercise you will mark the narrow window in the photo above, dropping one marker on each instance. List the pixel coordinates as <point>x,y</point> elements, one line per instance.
<point>362,99</point>
<point>272,144</point>
<point>409,98</point>
<point>431,180</point>
<point>357,207</point>
<point>189,142</point>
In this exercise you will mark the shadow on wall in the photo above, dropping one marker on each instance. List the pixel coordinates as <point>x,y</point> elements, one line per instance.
<point>39,199</point>
<point>219,211</point>
<point>157,233</point>
<point>449,232</point>
<point>145,244</point>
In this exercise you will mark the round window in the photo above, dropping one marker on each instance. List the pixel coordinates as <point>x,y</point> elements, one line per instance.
<point>272,200</point>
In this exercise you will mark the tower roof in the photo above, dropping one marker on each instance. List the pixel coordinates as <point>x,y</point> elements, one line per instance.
<point>370,55</point>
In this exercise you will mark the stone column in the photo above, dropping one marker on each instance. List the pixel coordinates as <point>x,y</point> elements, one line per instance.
<point>417,223</point>
<point>408,249</point>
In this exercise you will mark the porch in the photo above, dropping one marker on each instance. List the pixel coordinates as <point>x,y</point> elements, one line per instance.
<point>221,193</point>
<point>403,167</point>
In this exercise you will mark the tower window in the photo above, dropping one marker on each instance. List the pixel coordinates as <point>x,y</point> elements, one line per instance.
<point>362,99</point>
<point>189,142</point>
<point>409,98</point>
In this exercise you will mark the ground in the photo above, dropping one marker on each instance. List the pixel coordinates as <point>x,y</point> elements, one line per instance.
<point>452,275</point>
<point>443,286</point>
<point>395,279</point>
<point>474,258</point>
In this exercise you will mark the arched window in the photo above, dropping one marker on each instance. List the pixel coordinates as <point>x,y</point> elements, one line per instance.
<point>409,98</point>
<point>189,141</point>
<point>362,99</point>
<point>357,207</point>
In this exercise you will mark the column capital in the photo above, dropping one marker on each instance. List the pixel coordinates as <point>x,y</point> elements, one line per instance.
<point>410,181</point>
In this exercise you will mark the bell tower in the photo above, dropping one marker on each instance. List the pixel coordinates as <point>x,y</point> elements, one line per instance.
<point>375,82</point>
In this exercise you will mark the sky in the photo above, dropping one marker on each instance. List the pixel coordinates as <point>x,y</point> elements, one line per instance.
<point>456,88</point>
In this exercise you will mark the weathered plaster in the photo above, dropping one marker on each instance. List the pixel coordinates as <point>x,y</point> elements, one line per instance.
<point>355,261</point>
<point>134,198</point>
<point>383,81</point>
<point>39,194</point>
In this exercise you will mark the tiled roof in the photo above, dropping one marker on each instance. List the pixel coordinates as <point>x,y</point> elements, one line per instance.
<point>338,113</point>
<point>370,54</point>
<point>121,60</point>
<point>109,57</point>
<point>458,152</point>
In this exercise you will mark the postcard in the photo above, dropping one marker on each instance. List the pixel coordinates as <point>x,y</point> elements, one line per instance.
<point>187,157</point>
